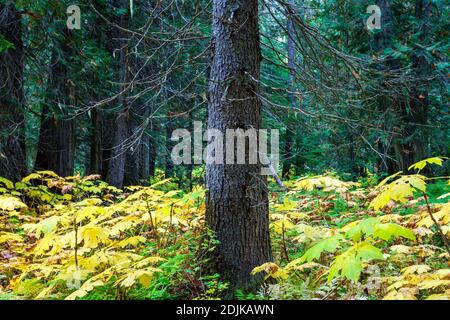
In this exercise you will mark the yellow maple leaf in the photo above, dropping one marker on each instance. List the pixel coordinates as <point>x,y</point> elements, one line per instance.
<point>45,244</point>
<point>146,261</point>
<point>418,269</point>
<point>399,190</point>
<point>282,225</point>
<point>401,249</point>
<point>272,270</point>
<point>439,296</point>
<point>89,212</point>
<point>144,276</point>
<point>433,283</point>
<point>6,237</point>
<point>7,183</point>
<point>422,164</point>
<point>402,294</point>
<point>92,236</point>
<point>84,290</point>
<point>326,183</point>
<point>8,203</point>
<point>442,216</point>
<point>132,241</point>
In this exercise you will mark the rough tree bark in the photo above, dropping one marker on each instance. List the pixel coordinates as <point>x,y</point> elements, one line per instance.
<point>12,135</point>
<point>237,197</point>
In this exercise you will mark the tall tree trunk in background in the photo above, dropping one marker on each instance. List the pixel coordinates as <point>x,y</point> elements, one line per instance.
<point>138,156</point>
<point>12,121</point>
<point>289,141</point>
<point>410,143</point>
<point>414,110</point>
<point>237,197</point>
<point>108,113</point>
<point>144,169</point>
<point>133,155</point>
<point>152,148</point>
<point>100,141</point>
<point>288,154</point>
<point>190,167</point>
<point>420,100</point>
<point>150,142</point>
<point>107,142</point>
<point>387,105</point>
<point>144,153</point>
<point>56,147</point>
<point>116,172</point>
<point>46,142</point>
<point>96,162</point>
<point>169,170</point>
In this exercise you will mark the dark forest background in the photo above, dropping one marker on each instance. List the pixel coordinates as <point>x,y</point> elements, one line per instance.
<point>106,98</point>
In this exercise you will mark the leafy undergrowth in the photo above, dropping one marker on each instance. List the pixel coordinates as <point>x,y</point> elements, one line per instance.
<point>79,238</point>
<point>338,240</point>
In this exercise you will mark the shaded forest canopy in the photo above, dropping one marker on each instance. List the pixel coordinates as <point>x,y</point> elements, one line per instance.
<point>87,115</point>
<point>344,98</point>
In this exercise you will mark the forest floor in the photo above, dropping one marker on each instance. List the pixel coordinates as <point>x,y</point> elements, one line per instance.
<point>79,238</point>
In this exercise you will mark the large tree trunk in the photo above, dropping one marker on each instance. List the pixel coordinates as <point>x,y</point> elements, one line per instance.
<point>56,147</point>
<point>12,135</point>
<point>237,197</point>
